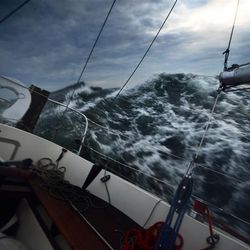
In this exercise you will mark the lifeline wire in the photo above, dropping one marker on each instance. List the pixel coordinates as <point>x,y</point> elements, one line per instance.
<point>156,179</point>
<point>221,209</point>
<point>138,65</point>
<point>63,190</point>
<point>89,120</point>
<point>113,132</point>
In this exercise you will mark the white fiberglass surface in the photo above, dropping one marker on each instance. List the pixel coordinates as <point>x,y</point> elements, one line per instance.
<point>20,98</point>
<point>132,200</point>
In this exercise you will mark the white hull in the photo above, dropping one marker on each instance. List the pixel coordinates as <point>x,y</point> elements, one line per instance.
<point>135,202</point>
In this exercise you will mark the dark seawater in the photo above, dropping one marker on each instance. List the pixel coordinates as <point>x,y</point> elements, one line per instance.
<point>155,127</point>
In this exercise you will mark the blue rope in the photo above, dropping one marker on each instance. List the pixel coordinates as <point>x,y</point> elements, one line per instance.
<point>179,204</point>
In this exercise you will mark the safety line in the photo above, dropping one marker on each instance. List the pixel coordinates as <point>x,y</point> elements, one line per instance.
<point>120,134</point>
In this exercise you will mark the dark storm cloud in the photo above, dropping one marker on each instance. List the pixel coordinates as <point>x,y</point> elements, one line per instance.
<point>47,42</point>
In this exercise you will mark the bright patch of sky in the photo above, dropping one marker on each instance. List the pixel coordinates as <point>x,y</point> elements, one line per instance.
<point>47,42</point>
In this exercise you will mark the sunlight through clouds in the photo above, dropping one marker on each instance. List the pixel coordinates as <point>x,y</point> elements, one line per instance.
<point>215,15</point>
<point>54,39</point>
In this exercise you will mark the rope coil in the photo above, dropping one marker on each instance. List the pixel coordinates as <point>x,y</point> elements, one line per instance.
<point>54,182</point>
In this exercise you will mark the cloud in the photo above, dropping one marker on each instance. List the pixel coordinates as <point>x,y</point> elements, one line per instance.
<point>47,43</point>
<point>202,32</point>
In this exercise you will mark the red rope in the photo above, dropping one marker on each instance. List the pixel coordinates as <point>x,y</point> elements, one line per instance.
<point>202,209</point>
<point>146,239</point>
<point>229,230</point>
<point>209,219</point>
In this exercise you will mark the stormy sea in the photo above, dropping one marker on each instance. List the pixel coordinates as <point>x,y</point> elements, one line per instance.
<point>150,133</point>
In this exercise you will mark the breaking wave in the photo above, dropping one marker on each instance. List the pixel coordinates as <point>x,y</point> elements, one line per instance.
<point>155,128</point>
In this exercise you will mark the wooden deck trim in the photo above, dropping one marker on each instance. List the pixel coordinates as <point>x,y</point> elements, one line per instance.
<point>77,232</point>
<point>107,221</point>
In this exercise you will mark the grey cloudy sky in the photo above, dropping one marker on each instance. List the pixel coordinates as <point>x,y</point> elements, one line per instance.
<point>47,42</point>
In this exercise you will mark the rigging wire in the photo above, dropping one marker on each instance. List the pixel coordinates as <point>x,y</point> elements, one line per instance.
<point>126,136</point>
<point>171,186</point>
<point>96,40</point>
<point>155,178</point>
<point>98,125</point>
<point>191,164</point>
<point>127,166</point>
<point>163,182</point>
<point>54,177</point>
<point>87,60</point>
<point>61,189</point>
<point>227,51</point>
<point>151,44</point>
<point>207,126</point>
<point>167,153</point>
<point>14,11</point>
<point>209,204</point>
<point>218,172</point>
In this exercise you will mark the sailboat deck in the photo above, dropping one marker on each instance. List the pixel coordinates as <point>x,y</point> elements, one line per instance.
<point>107,221</point>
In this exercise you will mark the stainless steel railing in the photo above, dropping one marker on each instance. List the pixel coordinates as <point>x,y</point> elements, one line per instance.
<point>158,180</point>
<point>60,104</point>
<point>81,114</point>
